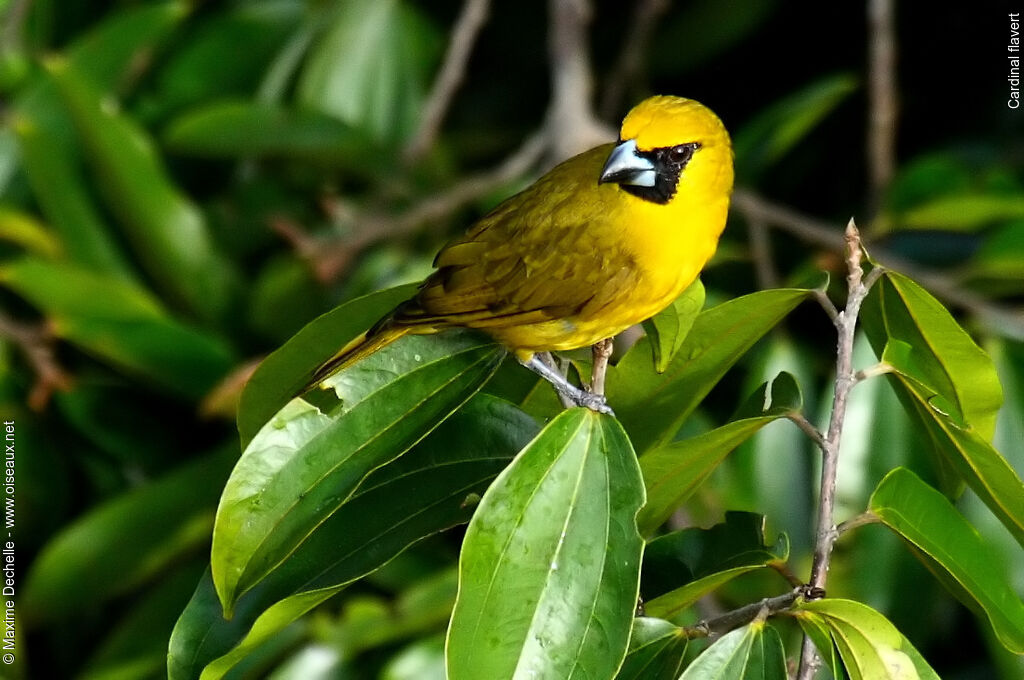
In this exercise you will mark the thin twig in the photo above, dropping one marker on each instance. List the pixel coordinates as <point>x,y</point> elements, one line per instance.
<point>453,71</point>
<point>808,428</point>
<point>630,62</point>
<point>882,96</point>
<point>846,327</point>
<point>761,253</point>
<point>37,343</point>
<point>571,125</point>
<point>1004,321</point>
<point>602,351</point>
<point>330,259</point>
<point>730,620</point>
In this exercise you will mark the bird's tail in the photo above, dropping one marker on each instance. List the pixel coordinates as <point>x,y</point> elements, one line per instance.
<point>378,337</point>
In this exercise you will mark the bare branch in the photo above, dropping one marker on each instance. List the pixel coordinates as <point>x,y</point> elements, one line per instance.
<point>571,125</point>
<point>330,259</point>
<point>846,326</point>
<point>809,429</point>
<point>761,253</point>
<point>762,609</point>
<point>36,342</point>
<point>1007,322</point>
<point>882,95</point>
<point>453,71</point>
<point>630,62</point>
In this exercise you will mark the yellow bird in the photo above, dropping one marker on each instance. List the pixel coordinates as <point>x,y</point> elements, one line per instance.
<point>601,242</point>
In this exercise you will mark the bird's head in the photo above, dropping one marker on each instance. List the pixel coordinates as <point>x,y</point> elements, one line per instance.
<point>666,141</point>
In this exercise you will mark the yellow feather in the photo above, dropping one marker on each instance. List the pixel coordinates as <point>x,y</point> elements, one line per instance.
<point>570,261</point>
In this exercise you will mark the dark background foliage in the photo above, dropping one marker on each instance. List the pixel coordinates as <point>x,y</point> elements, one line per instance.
<point>117,424</point>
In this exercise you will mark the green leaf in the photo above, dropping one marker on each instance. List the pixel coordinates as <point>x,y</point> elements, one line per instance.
<point>869,645</point>
<point>121,324</point>
<point>208,63</point>
<point>419,494</point>
<point>941,355</point>
<point>306,462</point>
<point>167,231</point>
<point>668,328</point>
<point>967,212</point>
<point>784,124</point>
<point>550,564</point>
<point>815,628</point>
<point>681,567</point>
<point>652,406</point>
<point>672,472</point>
<point>23,230</point>
<point>136,646</point>
<point>751,652</point>
<point>161,521</point>
<point>370,68</point>
<point>946,542</point>
<point>1001,254</point>
<point>239,129</point>
<point>288,369</point>
<point>656,651</point>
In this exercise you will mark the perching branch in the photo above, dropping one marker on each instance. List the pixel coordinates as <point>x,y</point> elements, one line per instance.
<point>846,326</point>
<point>453,70</point>
<point>602,352</point>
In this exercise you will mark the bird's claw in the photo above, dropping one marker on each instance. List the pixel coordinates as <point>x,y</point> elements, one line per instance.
<point>595,402</point>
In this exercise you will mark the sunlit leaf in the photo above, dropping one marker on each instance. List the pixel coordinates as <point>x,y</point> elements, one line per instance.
<point>672,472</point>
<point>370,67</point>
<point>652,406</point>
<point>668,328</point>
<point>753,651</point>
<point>869,645</point>
<point>289,368</point>
<point>550,564</point>
<point>423,492</point>
<point>307,461</point>
<point>946,542</point>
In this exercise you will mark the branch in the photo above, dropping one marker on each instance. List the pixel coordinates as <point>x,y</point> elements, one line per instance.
<point>602,351</point>
<point>882,97</point>
<point>762,609</point>
<point>453,71</point>
<point>846,327</point>
<point>571,125</point>
<point>36,342</point>
<point>1002,320</point>
<point>330,259</point>
<point>631,59</point>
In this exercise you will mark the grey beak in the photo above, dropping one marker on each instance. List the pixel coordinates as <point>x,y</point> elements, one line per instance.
<point>624,166</point>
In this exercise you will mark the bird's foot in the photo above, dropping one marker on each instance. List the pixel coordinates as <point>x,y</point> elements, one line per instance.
<point>571,393</point>
<point>595,402</point>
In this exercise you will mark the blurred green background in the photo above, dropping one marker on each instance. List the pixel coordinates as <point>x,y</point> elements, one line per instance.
<point>184,185</point>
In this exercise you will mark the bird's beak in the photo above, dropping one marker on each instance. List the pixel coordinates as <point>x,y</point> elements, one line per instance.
<point>626,166</point>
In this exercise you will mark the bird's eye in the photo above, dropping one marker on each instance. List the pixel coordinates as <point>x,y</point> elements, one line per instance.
<point>681,154</point>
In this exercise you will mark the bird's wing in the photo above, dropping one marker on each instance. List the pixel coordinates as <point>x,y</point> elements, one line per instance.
<point>544,254</point>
